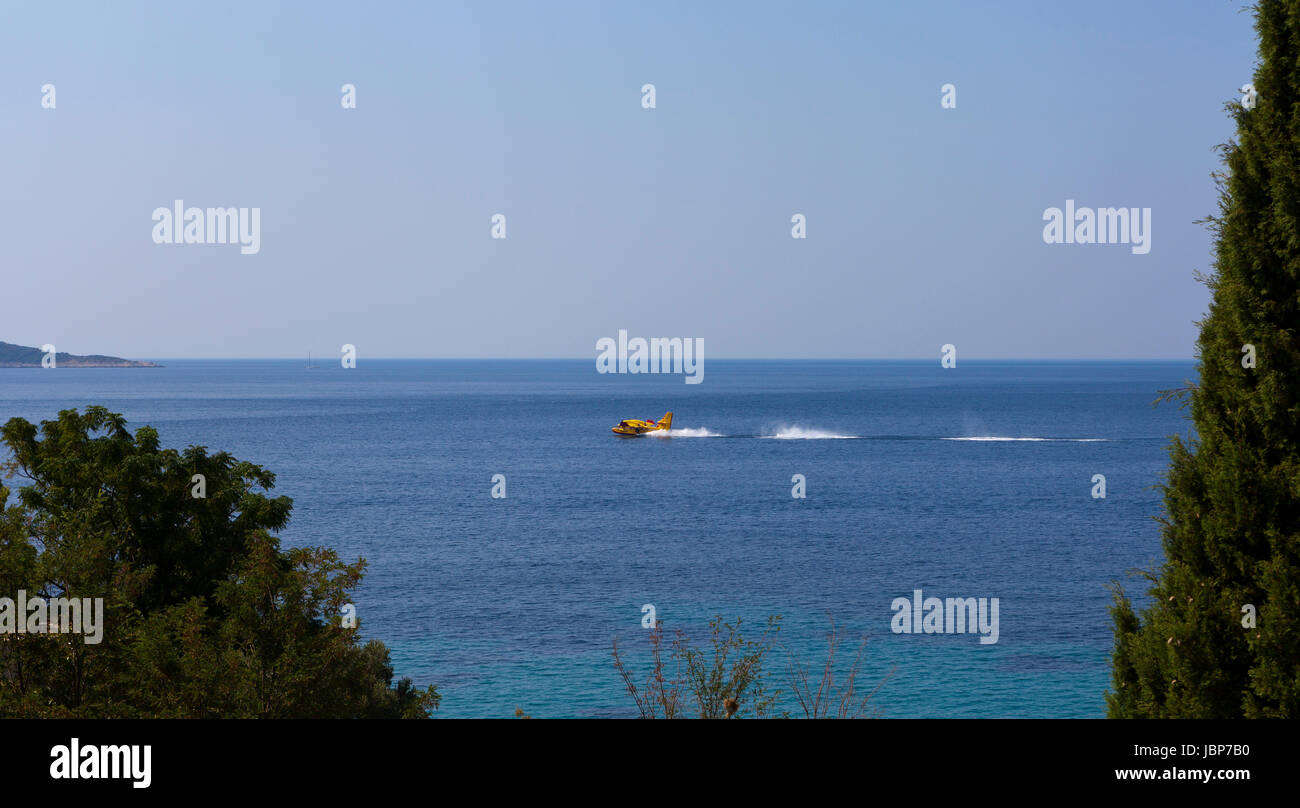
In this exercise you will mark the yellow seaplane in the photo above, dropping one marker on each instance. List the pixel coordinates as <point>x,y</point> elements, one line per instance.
<point>634,428</point>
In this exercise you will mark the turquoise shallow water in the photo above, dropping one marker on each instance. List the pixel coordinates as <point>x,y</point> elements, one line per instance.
<point>514,602</point>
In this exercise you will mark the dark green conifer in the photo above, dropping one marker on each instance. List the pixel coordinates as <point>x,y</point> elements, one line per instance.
<point>1232,497</point>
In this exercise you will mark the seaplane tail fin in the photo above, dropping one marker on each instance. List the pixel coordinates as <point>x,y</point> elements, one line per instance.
<point>667,421</point>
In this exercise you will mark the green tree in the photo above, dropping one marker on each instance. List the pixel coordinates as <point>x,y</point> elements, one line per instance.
<point>1231,531</point>
<point>204,614</point>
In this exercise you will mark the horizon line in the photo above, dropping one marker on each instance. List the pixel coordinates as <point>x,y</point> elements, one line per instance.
<point>714,359</point>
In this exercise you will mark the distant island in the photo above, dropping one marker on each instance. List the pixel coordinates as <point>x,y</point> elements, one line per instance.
<point>20,356</point>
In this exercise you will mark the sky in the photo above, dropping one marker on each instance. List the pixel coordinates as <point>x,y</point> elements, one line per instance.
<point>924,224</point>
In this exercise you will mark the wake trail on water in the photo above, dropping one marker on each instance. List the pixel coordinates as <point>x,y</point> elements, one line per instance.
<point>779,433</point>
<point>813,433</point>
<point>804,433</point>
<point>689,432</point>
<point>1060,440</point>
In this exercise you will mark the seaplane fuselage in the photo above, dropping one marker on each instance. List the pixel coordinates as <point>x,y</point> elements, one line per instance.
<point>633,428</point>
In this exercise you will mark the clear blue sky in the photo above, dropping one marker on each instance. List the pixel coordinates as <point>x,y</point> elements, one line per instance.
<point>924,224</point>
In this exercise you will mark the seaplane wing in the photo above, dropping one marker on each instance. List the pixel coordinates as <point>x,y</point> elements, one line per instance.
<point>632,427</point>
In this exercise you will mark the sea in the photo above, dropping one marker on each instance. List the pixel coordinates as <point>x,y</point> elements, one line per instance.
<point>979,481</point>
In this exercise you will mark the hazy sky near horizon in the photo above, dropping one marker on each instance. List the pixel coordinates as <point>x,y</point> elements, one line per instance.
<point>924,224</point>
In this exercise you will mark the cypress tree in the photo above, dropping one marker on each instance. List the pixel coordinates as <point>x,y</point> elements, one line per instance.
<point>1221,635</point>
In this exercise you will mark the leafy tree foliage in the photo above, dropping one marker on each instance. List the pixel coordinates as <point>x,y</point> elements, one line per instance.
<point>204,614</point>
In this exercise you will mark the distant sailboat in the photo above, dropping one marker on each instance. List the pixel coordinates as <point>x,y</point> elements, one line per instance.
<point>310,366</point>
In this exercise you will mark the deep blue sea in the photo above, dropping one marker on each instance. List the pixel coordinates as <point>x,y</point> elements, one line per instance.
<point>967,482</point>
